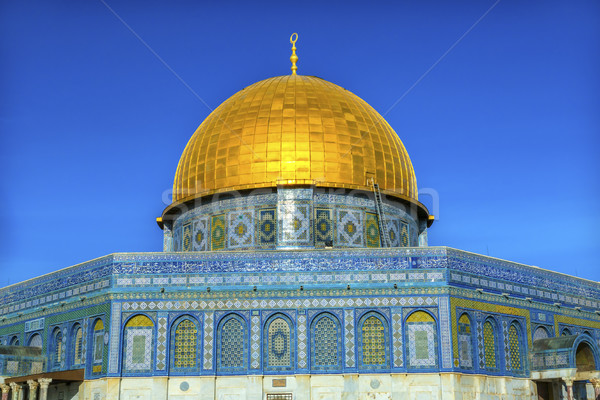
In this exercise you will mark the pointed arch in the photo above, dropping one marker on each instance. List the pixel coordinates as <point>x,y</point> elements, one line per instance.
<point>421,333</point>
<point>540,333</point>
<point>515,347</point>
<point>278,350</point>
<point>14,341</point>
<point>56,348</point>
<point>76,344</point>
<point>138,344</point>
<point>98,344</point>
<point>373,335</point>
<point>465,341</point>
<point>35,340</point>
<point>490,344</point>
<point>325,342</point>
<point>585,354</point>
<point>185,344</point>
<point>232,343</point>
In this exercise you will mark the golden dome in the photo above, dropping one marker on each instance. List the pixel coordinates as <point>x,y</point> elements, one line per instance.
<point>293,130</point>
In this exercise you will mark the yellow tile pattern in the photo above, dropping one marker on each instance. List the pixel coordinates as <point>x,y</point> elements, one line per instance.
<point>186,341</point>
<point>514,348</point>
<point>293,130</point>
<point>489,345</point>
<point>558,319</point>
<point>485,307</point>
<point>139,320</point>
<point>373,337</point>
<point>420,316</point>
<point>99,325</point>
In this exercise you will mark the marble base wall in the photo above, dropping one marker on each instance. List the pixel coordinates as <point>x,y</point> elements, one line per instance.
<point>314,387</point>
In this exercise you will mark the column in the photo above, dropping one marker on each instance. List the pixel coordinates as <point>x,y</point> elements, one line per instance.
<point>5,389</point>
<point>596,383</point>
<point>569,384</point>
<point>33,389</point>
<point>16,391</point>
<point>44,382</point>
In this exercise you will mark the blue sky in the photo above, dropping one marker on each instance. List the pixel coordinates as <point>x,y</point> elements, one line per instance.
<point>504,128</point>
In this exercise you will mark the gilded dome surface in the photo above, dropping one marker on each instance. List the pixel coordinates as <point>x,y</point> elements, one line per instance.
<point>293,130</point>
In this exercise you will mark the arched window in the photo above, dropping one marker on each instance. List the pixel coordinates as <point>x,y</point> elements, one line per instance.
<point>465,342</point>
<point>540,333</point>
<point>14,341</point>
<point>57,348</point>
<point>232,344</point>
<point>98,349</point>
<point>514,347</point>
<point>373,339</point>
<point>35,340</point>
<point>279,351</point>
<point>326,343</point>
<point>185,348</point>
<point>138,344</point>
<point>489,345</point>
<point>566,332</point>
<point>422,340</point>
<point>77,345</point>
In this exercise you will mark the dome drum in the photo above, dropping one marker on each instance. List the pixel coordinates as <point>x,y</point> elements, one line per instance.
<point>290,217</point>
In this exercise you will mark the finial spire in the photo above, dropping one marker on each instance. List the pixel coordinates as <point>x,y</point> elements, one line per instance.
<point>294,57</point>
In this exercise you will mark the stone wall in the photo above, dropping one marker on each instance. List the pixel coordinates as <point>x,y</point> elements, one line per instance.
<point>449,386</point>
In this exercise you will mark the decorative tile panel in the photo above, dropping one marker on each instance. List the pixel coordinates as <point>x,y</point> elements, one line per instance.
<point>465,339</point>
<point>323,227</point>
<point>240,229</point>
<point>446,337</point>
<point>421,345</point>
<point>514,349</point>
<point>489,346</point>
<point>267,228</point>
<point>349,338</point>
<point>115,330</point>
<point>84,340</point>
<point>34,325</point>
<point>422,340</point>
<point>138,349</point>
<point>326,343</point>
<point>218,232</point>
<point>278,345</point>
<point>161,342</point>
<point>255,340</point>
<point>185,345</point>
<point>404,234</point>
<point>393,226</point>
<point>372,230</point>
<point>201,234</point>
<point>186,244</point>
<point>232,344</point>
<point>208,340</point>
<point>302,346</point>
<point>397,343</point>
<point>295,220</point>
<point>373,341</point>
<point>350,228</point>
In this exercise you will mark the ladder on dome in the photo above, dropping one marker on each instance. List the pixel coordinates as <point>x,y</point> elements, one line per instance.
<point>383,232</point>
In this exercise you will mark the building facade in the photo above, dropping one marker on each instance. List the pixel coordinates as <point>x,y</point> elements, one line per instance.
<point>296,266</point>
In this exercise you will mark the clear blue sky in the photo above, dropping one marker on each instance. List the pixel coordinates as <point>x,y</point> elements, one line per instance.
<point>505,128</point>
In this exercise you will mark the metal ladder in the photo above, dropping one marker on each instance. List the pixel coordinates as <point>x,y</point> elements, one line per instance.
<point>383,232</point>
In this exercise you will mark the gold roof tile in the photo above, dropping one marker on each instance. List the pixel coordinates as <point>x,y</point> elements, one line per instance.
<point>292,128</point>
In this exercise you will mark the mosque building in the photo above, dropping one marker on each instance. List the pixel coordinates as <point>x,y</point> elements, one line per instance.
<point>296,266</point>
